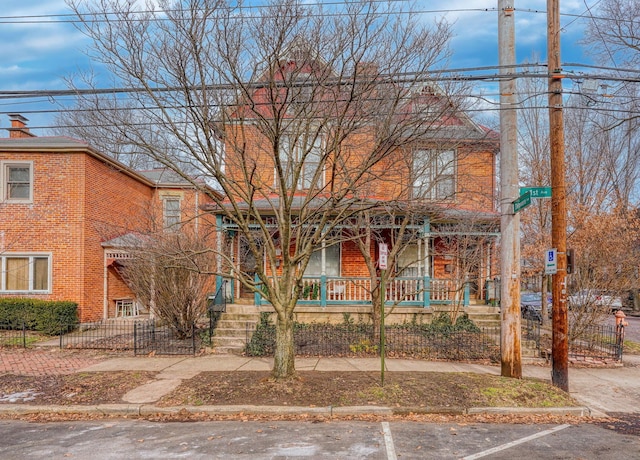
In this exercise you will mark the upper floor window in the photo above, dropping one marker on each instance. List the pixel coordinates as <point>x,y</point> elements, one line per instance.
<point>292,152</point>
<point>434,174</point>
<point>25,273</point>
<point>17,181</point>
<point>171,212</point>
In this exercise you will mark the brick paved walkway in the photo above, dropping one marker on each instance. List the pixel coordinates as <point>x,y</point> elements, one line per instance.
<point>52,361</point>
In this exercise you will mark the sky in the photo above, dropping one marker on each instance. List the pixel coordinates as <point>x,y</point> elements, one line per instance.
<point>38,53</point>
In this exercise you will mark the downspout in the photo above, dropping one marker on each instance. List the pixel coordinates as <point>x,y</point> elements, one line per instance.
<point>105,301</point>
<point>197,213</point>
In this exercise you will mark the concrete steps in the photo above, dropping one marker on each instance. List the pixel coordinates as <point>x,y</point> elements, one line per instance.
<point>234,328</point>
<point>483,315</point>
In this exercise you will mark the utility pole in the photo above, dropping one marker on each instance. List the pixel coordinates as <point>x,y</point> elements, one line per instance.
<point>510,348</point>
<point>560,329</point>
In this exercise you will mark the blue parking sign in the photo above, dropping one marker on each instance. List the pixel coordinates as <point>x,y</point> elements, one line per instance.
<point>551,262</point>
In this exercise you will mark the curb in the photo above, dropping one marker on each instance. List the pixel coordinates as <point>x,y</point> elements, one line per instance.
<point>328,411</point>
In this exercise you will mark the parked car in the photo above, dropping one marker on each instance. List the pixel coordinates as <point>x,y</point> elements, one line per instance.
<point>531,306</point>
<point>590,298</point>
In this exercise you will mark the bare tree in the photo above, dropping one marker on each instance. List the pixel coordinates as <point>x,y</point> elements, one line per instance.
<point>614,32</point>
<point>286,108</point>
<point>84,122</point>
<point>170,274</point>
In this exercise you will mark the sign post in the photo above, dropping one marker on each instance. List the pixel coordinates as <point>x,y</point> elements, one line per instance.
<point>383,251</point>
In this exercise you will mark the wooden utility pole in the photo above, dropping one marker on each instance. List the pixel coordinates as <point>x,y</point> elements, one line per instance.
<point>560,329</point>
<point>510,348</point>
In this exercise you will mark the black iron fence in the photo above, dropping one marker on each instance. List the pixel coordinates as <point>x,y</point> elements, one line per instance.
<point>598,342</point>
<point>101,335</point>
<point>16,335</point>
<point>148,336</point>
<point>144,336</point>
<point>400,341</point>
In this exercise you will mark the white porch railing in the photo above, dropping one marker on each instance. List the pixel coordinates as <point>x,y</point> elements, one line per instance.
<point>325,290</point>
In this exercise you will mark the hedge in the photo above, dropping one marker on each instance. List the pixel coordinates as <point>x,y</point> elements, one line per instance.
<point>48,317</point>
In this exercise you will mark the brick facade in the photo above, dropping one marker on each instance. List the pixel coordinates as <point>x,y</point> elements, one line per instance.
<point>81,199</point>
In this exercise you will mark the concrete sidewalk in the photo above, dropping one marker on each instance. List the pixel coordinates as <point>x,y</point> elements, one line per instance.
<point>602,390</point>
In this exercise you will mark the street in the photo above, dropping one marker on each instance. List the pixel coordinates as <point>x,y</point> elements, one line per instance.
<point>632,330</point>
<point>333,439</point>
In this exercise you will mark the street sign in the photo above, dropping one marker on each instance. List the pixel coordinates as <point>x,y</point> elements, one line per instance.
<point>522,202</point>
<point>550,262</point>
<point>537,192</point>
<point>384,253</point>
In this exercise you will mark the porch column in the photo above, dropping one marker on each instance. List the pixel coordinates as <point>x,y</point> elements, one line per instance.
<point>257,298</point>
<point>323,275</point>
<point>426,266</point>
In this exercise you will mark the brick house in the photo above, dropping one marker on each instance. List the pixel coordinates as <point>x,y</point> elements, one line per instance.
<point>65,213</point>
<point>454,195</point>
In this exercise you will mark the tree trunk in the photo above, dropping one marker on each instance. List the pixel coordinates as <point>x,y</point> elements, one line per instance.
<point>375,315</point>
<point>284,356</point>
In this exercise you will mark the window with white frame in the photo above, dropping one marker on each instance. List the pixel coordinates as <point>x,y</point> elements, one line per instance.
<point>171,212</point>
<point>25,273</point>
<point>409,261</point>
<point>331,262</point>
<point>434,174</point>
<point>292,152</point>
<point>17,181</point>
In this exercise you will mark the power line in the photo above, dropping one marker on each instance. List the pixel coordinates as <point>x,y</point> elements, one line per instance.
<point>111,16</point>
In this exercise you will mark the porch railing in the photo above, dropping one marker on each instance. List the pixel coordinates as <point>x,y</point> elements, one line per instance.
<point>409,291</point>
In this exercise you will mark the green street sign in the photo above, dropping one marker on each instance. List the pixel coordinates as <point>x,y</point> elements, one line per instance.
<point>536,192</point>
<point>522,202</point>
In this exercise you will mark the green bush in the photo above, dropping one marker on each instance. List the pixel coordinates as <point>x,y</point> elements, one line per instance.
<point>48,317</point>
<point>263,339</point>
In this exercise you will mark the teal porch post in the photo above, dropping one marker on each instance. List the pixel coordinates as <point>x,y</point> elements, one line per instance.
<point>426,291</point>
<point>323,291</point>
<point>257,298</point>
<point>219,282</point>
<point>465,300</point>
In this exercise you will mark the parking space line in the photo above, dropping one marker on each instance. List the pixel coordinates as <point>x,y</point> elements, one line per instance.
<point>388,441</point>
<point>515,443</point>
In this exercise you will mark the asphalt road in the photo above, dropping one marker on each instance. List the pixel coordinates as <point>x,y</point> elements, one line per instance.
<point>335,440</point>
<point>632,330</point>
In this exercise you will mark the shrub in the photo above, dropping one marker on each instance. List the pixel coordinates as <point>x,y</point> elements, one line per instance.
<point>464,323</point>
<point>263,339</point>
<point>48,317</point>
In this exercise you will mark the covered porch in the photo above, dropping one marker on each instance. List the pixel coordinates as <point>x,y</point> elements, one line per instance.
<point>445,263</point>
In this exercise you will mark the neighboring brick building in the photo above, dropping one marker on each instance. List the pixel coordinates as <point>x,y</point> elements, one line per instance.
<point>64,209</point>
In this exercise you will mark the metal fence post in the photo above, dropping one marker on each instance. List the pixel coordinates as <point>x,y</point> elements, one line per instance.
<point>193,338</point>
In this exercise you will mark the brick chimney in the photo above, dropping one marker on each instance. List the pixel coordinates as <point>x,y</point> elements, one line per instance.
<point>19,126</point>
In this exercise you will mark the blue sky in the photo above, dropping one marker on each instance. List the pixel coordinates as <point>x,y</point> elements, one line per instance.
<point>38,55</point>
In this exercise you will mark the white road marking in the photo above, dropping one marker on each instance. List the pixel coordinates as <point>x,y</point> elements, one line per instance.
<point>388,441</point>
<point>515,443</point>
